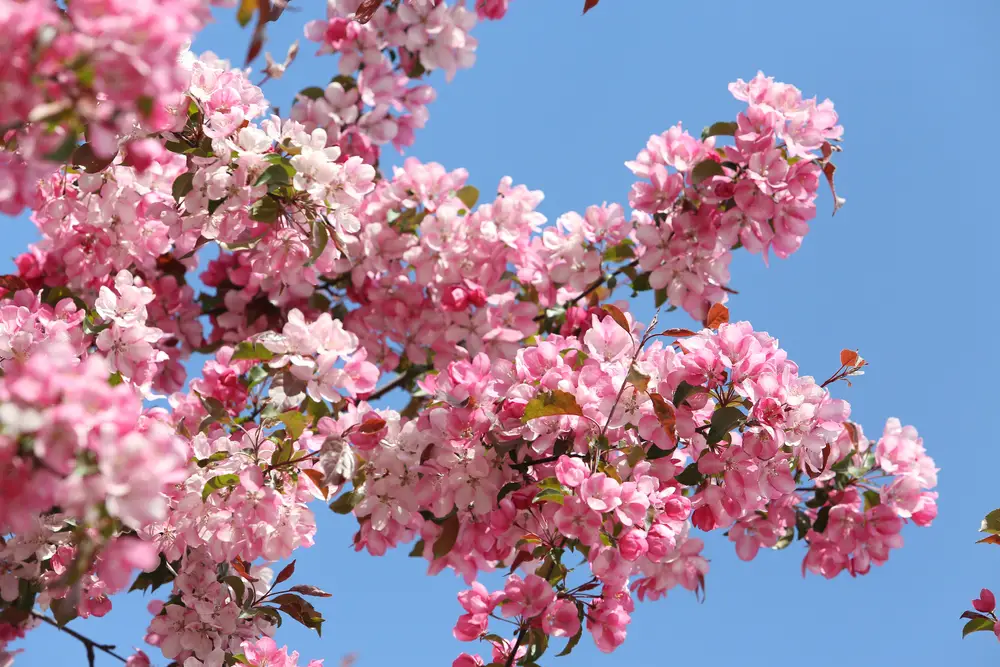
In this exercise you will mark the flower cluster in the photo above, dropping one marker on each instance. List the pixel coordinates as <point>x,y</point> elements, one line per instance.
<point>575,447</point>
<point>543,423</point>
<point>759,193</point>
<point>376,98</point>
<point>98,65</point>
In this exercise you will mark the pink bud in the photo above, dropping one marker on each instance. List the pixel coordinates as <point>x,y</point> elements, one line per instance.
<point>985,602</point>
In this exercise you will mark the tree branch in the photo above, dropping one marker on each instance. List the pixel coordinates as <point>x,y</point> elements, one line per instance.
<point>593,286</point>
<point>401,379</point>
<point>90,644</point>
<point>512,657</point>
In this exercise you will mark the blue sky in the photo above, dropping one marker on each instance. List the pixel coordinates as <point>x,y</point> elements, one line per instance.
<point>559,102</point>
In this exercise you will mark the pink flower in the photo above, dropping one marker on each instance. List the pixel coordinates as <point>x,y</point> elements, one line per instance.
<point>607,623</point>
<point>561,619</point>
<point>466,660</point>
<point>528,597</point>
<point>601,493</point>
<point>571,471</point>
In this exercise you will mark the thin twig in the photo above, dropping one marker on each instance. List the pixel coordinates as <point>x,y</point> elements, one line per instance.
<point>90,644</point>
<point>400,380</point>
<point>593,286</point>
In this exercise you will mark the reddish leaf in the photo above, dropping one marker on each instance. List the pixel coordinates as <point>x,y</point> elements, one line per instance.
<point>286,573</point>
<point>717,316</point>
<point>317,478</point>
<point>990,539</point>
<point>306,589</point>
<point>367,10</point>
<point>618,316</point>
<point>371,425</point>
<point>679,333</point>
<point>521,558</point>
<point>848,358</point>
<point>829,169</point>
<point>852,432</point>
<point>665,414</point>
<point>243,569</point>
<point>12,283</point>
<point>589,4</point>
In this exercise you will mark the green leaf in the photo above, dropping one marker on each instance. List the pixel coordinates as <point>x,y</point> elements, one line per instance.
<point>550,495</point>
<point>684,390</point>
<point>641,283</point>
<point>214,204</point>
<point>690,476</point>
<point>704,170</point>
<point>346,503</point>
<point>295,423</point>
<point>182,185</point>
<point>991,523</point>
<point>320,239</point>
<point>312,92</point>
<point>418,549</point>
<point>721,129</point>
<point>802,524</point>
<point>660,297</point>
<point>724,420</point>
<point>872,499</point>
<point>977,625</point>
<point>620,252</point>
<point>274,175</point>
<point>217,456</point>
<point>256,375</point>
<point>469,196</point>
<point>158,577</point>
<point>822,519</point>
<point>115,379</point>
<point>449,534</point>
<point>239,588</point>
<point>218,482</point>
<point>63,610</point>
<point>252,351</point>
<point>548,404</point>
<point>65,149</point>
<point>265,210</point>
<point>507,488</point>
<point>784,540</point>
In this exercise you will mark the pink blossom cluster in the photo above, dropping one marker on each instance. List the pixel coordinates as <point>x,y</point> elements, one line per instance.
<point>486,468</point>
<point>203,621</point>
<point>376,97</point>
<point>72,440</point>
<point>544,424</point>
<point>100,66</point>
<point>701,200</point>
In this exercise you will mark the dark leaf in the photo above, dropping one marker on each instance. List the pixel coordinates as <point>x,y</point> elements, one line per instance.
<point>720,129</point>
<point>12,283</point>
<point>690,476</point>
<point>285,574</point>
<point>589,4</point>
<point>182,185</point>
<point>366,10</point>
<point>724,420</point>
<point>449,534</point>
<point>705,170</point>
<point>306,589</point>
<point>618,316</point>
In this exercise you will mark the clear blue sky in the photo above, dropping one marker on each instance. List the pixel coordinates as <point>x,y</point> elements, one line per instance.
<point>559,102</point>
